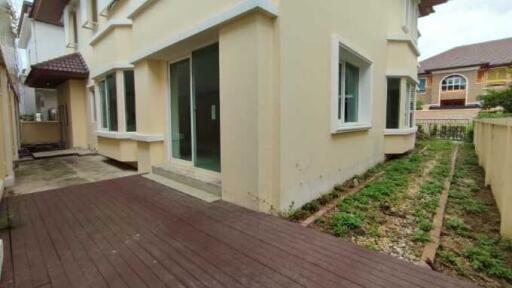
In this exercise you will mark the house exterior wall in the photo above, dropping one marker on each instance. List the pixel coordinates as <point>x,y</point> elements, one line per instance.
<point>46,42</point>
<point>276,83</point>
<point>8,131</point>
<point>32,132</point>
<point>478,81</point>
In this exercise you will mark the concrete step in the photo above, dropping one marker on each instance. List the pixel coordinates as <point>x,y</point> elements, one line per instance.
<point>191,177</point>
<point>191,191</point>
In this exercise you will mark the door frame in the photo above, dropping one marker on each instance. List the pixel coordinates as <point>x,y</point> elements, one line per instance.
<point>190,163</point>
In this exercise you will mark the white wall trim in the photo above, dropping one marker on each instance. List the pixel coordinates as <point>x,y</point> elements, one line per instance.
<point>407,39</point>
<point>130,136</point>
<point>107,69</point>
<point>403,131</point>
<point>139,7</point>
<point>365,117</point>
<point>111,25</point>
<point>237,10</point>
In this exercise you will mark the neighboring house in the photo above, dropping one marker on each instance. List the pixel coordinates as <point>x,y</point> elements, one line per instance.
<point>454,79</point>
<point>41,37</point>
<point>267,103</point>
<point>9,100</point>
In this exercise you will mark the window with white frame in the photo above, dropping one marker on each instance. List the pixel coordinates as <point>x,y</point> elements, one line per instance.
<point>352,101</point>
<point>453,83</point>
<point>89,13</point>
<point>108,102</point>
<point>411,18</point>
<point>422,85</point>
<point>70,26</point>
<point>410,104</point>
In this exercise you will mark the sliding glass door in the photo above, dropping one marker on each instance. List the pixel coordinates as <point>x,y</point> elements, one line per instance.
<point>195,109</point>
<point>181,130</point>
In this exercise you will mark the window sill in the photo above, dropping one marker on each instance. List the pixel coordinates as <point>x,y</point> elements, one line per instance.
<point>129,136</point>
<point>402,131</point>
<point>352,128</point>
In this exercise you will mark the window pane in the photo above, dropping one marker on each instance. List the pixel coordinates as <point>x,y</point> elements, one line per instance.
<point>112,102</point>
<point>104,105</point>
<point>421,85</point>
<point>180,111</point>
<point>393,104</point>
<point>340,87</point>
<point>129,91</point>
<point>351,93</point>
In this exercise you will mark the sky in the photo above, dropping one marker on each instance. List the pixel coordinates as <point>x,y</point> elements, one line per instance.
<point>461,22</point>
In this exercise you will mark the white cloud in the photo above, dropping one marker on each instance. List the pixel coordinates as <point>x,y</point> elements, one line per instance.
<point>461,22</point>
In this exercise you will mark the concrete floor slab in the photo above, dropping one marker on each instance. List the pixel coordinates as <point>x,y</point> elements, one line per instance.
<point>52,173</point>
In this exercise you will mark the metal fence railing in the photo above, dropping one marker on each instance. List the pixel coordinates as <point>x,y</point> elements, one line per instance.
<point>449,129</point>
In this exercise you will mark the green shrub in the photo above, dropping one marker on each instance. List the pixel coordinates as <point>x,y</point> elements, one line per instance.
<point>343,222</point>
<point>493,98</point>
<point>421,236</point>
<point>457,225</point>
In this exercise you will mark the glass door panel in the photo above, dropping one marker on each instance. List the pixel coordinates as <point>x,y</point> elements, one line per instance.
<point>205,70</point>
<point>181,128</point>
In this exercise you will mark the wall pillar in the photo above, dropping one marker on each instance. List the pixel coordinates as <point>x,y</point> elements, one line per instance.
<point>249,113</point>
<point>151,106</point>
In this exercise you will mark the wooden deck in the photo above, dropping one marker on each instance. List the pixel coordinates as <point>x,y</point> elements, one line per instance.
<point>132,232</point>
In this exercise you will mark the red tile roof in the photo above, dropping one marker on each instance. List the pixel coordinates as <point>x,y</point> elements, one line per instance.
<point>492,53</point>
<point>53,72</point>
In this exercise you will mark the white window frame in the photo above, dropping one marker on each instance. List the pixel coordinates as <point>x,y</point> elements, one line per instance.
<point>411,15</point>
<point>424,87</point>
<point>107,104</point>
<point>87,14</point>
<point>410,104</point>
<point>452,81</point>
<point>365,107</point>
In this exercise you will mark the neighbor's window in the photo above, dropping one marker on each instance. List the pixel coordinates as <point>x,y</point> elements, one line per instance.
<point>410,104</point>
<point>393,104</point>
<point>129,94</point>
<point>453,83</point>
<point>353,82</point>
<point>108,95</point>
<point>497,74</point>
<point>422,85</point>
<point>411,18</point>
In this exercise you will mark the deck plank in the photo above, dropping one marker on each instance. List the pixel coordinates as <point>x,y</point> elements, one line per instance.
<point>132,232</point>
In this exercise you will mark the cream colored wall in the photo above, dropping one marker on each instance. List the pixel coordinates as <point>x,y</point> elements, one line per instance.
<point>493,143</point>
<point>276,142</point>
<point>399,144</point>
<point>40,132</point>
<point>72,95</point>
<point>8,131</point>
<point>120,150</point>
<point>249,113</point>
<point>312,159</point>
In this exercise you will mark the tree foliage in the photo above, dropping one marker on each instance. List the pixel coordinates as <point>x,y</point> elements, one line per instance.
<point>495,98</point>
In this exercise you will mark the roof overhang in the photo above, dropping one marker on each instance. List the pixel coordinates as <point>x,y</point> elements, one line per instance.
<point>427,6</point>
<point>48,11</point>
<point>52,73</point>
<point>44,78</point>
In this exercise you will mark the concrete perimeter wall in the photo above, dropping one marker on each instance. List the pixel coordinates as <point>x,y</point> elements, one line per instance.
<point>493,142</point>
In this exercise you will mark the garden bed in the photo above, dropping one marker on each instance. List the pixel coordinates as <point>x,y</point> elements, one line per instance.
<point>394,213</point>
<point>471,246</point>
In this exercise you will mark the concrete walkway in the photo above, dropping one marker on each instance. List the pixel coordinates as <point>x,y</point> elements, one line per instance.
<point>44,174</point>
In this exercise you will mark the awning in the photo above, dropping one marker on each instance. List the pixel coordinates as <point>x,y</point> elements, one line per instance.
<point>52,73</point>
